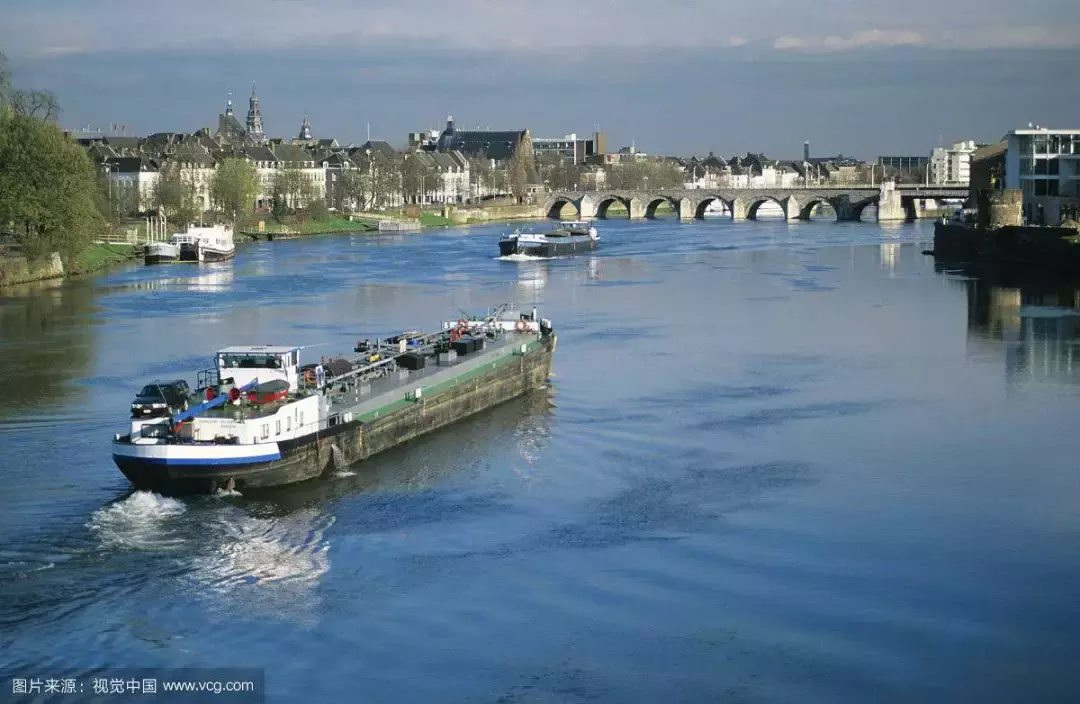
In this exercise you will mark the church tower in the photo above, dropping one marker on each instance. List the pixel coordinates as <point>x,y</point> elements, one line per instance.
<point>254,116</point>
<point>305,130</point>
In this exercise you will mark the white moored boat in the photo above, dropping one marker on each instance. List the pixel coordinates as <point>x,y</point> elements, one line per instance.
<point>206,244</point>
<point>162,252</point>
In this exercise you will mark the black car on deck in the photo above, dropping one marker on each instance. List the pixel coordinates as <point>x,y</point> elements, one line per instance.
<point>161,398</point>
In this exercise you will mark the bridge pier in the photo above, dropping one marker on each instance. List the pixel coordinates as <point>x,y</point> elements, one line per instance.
<point>792,209</point>
<point>586,208</point>
<point>738,209</point>
<point>684,209</point>
<point>890,204</point>
<point>637,209</point>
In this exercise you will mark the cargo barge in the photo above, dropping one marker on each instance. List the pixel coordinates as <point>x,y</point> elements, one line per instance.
<point>260,419</point>
<point>571,237</point>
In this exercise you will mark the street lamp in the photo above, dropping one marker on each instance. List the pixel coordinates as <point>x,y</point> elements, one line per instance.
<point>928,173</point>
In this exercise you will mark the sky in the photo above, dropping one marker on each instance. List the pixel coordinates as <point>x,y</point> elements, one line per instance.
<point>858,77</point>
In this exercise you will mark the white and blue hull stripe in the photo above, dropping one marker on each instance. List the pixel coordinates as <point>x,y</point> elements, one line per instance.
<point>183,455</point>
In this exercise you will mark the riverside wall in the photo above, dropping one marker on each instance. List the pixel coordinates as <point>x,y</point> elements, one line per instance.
<point>15,269</point>
<point>1050,248</point>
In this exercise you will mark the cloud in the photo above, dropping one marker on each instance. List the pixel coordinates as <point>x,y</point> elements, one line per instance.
<point>248,26</point>
<point>860,40</point>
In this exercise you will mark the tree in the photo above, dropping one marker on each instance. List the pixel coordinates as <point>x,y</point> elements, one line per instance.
<point>482,175</point>
<point>384,176</point>
<point>5,82</point>
<point>418,176</point>
<point>174,194</point>
<point>48,188</point>
<point>292,190</point>
<point>234,188</point>
<point>519,168</point>
<point>354,189</point>
<point>41,104</point>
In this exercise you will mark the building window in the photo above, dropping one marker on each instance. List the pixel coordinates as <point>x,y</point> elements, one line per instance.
<point>1040,187</point>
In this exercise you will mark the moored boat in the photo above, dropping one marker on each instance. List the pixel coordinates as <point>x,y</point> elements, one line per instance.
<point>569,238</point>
<point>161,253</point>
<point>259,418</point>
<point>206,244</point>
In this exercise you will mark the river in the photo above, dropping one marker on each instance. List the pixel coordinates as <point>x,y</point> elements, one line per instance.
<point>776,463</point>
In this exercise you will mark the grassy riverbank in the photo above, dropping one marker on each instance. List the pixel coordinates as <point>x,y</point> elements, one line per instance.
<point>329,226</point>
<point>97,257</point>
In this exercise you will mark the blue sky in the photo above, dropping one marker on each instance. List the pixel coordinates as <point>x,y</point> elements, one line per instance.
<point>681,77</point>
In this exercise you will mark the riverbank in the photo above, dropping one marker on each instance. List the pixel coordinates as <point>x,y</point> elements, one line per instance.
<point>15,269</point>
<point>1054,249</point>
<point>311,228</point>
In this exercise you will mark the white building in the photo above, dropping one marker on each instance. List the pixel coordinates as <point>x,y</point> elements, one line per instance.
<point>1044,164</point>
<point>951,166</point>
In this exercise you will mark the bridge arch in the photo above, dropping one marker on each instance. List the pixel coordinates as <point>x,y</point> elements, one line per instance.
<point>657,200</point>
<point>806,210</point>
<point>556,204</point>
<point>604,203</point>
<point>751,204</point>
<point>704,203</point>
<point>855,211</point>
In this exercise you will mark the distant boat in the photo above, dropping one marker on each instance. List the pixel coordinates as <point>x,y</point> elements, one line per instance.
<point>206,244</point>
<point>571,237</point>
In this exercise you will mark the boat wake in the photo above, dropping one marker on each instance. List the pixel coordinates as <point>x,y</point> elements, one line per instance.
<point>342,473</point>
<point>142,521</point>
<point>522,258</point>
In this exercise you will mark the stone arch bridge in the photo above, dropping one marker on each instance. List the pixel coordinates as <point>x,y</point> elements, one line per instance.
<point>892,202</point>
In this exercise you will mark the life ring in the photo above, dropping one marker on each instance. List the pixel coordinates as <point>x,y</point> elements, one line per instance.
<point>455,335</point>
<point>520,326</point>
<point>463,323</point>
<point>234,394</point>
<point>309,376</point>
<point>211,394</point>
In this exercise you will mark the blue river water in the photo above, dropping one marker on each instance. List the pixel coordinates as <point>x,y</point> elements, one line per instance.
<point>775,463</point>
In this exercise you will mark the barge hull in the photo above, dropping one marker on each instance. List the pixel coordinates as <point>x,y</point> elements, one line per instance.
<point>550,249</point>
<point>341,445</point>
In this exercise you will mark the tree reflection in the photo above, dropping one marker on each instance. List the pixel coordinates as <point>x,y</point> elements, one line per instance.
<point>46,341</point>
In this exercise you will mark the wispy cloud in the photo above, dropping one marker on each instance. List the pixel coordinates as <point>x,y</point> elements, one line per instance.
<point>860,40</point>
<point>37,29</point>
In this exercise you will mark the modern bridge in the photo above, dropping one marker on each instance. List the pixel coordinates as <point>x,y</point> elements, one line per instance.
<point>893,202</point>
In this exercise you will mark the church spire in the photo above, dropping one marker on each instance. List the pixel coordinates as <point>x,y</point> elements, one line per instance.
<point>254,116</point>
<point>305,128</point>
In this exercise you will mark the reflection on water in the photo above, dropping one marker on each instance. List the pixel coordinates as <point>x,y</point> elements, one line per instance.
<point>202,278</point>
<point>1035,319</point>
<point>46,341</point>
<point>888,253</point>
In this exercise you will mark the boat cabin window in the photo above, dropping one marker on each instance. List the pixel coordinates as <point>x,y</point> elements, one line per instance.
<point>257,361</point>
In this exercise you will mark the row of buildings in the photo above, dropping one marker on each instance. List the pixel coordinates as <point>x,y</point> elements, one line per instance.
<point>1042,163</point>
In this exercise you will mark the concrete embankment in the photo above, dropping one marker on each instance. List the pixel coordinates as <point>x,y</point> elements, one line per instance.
<point>1052,248</point>
<point>16,269</point>
<point>494,213</point>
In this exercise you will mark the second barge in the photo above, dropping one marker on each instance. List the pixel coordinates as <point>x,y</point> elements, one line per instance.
<point>260,419</point>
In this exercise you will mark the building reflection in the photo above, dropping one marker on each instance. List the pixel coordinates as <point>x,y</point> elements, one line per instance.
<point>1036,319</point>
